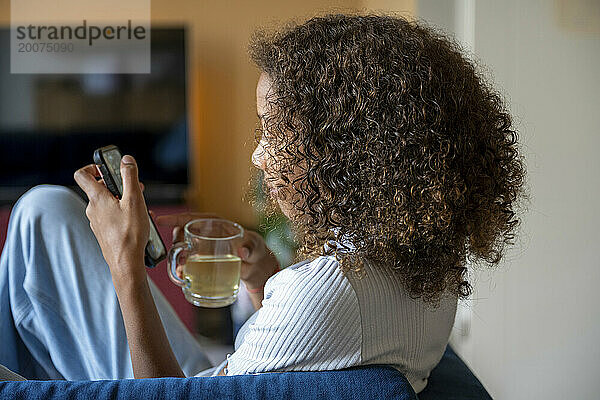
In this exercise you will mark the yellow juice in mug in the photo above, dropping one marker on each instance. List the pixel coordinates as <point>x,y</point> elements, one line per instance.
<point>212,276</point>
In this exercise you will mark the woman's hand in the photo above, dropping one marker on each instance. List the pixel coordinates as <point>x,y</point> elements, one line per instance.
<point>121,226</point>
<point>258,261</point>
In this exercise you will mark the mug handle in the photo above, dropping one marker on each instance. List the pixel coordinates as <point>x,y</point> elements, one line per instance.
<point>172,259</point>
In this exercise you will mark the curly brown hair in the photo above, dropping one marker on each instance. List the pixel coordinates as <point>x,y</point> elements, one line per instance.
<point>404,148</point>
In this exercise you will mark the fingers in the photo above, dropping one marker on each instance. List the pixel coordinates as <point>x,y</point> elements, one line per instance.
<point>177,234</point>
<point>244,253</point>
<point>247,249</point>
<point>131,184</point>
<point>183,218</point>
<point>86,178</point>
<point>93,169</point>
<point>142,187</point>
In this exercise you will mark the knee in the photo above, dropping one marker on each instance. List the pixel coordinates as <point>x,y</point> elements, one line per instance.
<point>50,200</point>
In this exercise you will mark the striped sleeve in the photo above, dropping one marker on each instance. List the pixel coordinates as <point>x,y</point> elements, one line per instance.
<point>310,320</point>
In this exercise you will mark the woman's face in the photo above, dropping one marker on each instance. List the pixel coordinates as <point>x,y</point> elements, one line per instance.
<point>262,158</point>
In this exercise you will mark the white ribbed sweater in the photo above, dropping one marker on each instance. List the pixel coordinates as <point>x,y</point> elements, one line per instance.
<point>314,317</point>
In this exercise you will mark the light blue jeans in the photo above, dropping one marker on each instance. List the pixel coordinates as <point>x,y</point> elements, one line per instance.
<point>59,314</point>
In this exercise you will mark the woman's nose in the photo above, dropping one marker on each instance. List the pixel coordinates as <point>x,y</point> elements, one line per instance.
<point>258,156</point>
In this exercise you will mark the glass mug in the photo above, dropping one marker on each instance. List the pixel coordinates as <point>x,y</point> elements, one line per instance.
<point>211,266</point>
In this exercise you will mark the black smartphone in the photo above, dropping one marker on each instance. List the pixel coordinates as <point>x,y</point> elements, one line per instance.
<point>108,160</point>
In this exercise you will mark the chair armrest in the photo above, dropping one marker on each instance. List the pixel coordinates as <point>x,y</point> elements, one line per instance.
<point>453,380</point>
<point>371,382</point>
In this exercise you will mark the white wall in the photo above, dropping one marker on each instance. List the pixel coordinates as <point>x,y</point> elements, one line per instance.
<point>534,329</point>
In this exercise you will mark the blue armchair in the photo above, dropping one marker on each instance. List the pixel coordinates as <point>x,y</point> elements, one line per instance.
<point>450,380</point>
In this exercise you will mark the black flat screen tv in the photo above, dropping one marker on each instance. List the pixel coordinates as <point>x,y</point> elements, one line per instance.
<point>50,124</point>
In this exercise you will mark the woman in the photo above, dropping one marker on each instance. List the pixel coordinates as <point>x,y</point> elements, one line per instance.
<point>395,163</point>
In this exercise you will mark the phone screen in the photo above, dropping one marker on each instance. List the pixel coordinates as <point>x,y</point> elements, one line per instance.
<point>154,246</point>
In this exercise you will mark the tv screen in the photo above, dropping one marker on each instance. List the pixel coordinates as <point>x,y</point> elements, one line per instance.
<point>50,124</point>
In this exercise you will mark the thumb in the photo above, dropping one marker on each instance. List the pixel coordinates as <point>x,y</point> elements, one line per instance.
<point>129,173</point>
